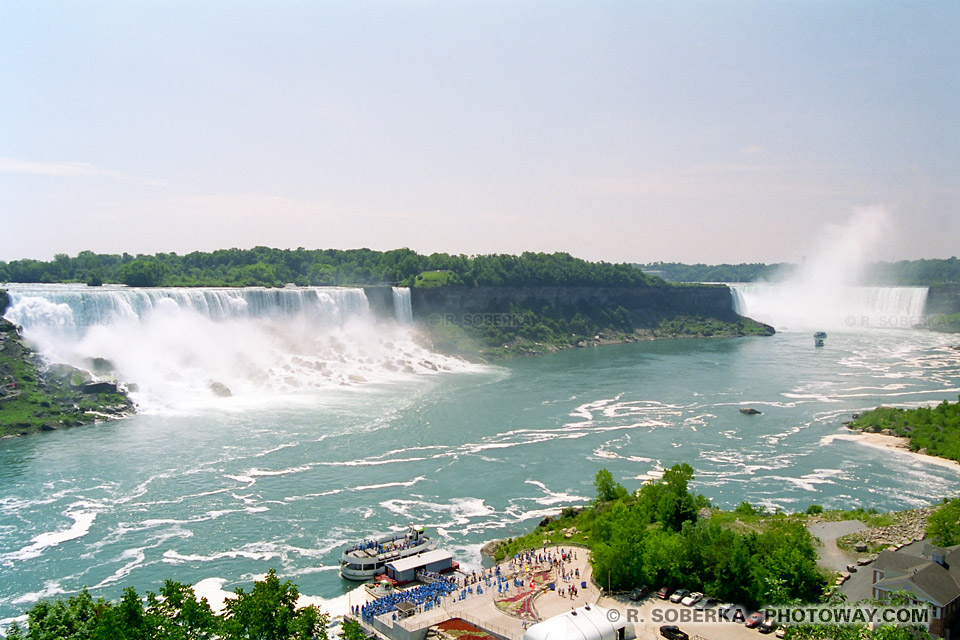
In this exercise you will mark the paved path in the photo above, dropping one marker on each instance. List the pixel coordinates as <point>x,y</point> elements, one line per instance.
<point>831,556</point>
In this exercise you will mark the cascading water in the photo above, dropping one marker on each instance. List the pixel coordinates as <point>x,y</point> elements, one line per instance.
<point>831,308</point>
<point>402,306</point>
<point>185,346</point>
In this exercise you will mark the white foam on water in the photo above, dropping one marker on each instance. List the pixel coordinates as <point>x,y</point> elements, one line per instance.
<point>133,558</point>
<point>384,485</point>
<point>338,606</point>
<point>173,557</point>
<point>82,521</point>
<point>259,343</point>
<point>50,589</point>
<point>211,590</point>
<point>459,511</point>
<point>553,497</point>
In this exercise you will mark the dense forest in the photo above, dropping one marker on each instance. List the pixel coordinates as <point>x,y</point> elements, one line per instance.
<point>276,267</point>
<point>933,430</point>
<point>903,273</point>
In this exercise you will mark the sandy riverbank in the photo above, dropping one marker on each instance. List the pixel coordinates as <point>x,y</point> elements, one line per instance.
<point>888,443</point>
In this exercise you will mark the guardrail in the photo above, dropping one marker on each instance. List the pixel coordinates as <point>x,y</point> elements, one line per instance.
<point>486,626</point>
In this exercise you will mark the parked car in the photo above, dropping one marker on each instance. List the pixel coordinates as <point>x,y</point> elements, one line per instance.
<point>768,626</point>
<point>679,595</point>
<point>692,599</point>
<point>673,632</point>
<point>639,593</point>
<point>706,603</point>
<point>754,620</point>
<point>664,592</point>
<point>736,613</point>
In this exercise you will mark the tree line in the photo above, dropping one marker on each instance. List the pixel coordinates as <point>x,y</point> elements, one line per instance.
<point>903,273</point>
<point>267,612</point>
<point>263,266</point>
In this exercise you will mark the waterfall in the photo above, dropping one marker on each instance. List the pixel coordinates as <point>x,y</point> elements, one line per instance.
<point>402,307</point>
<point>190,343</point>
<point>80,308</point>
<point>804,308</point>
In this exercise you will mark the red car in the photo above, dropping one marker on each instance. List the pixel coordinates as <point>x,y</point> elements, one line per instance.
<point>664,593</point>
<point>754,620</point>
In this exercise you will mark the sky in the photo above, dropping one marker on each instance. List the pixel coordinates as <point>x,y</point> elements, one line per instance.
<point>622,131</point>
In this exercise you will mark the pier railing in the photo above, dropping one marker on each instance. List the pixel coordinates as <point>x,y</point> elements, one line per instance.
<point>415,623</point>
<point>493,629</point>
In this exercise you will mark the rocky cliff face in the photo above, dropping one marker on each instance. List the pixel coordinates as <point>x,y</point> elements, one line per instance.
<point>943,298</point>
<point>380,299</point>
<point>4,301</point>
<point>647,302</point>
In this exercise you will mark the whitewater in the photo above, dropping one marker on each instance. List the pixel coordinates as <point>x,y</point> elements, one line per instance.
<point>343,423</point>
<point>175,347</point>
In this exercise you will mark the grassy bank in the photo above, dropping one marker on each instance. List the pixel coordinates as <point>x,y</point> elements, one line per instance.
<point>522,330</point>
<point>32,400</point>
<point>931,430</point>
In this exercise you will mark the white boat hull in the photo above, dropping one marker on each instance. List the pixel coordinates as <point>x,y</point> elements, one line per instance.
<point>364,567</point>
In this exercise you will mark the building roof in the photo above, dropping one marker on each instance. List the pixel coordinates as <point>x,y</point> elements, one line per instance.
<point>925,579</point>
<point>422,560</point>
<point>586,623</point>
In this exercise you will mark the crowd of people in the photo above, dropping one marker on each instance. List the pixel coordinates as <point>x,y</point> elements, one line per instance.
<point>437,587</point>
<point>425,596</point>
<point>398,543</point>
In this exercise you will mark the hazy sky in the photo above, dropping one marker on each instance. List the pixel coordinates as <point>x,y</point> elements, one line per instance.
<point>625,131</point>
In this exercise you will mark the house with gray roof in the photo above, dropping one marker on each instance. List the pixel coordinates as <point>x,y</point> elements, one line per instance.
<point>933,579</point>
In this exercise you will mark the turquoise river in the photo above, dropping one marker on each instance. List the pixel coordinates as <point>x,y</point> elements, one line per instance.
<point>230,487</point>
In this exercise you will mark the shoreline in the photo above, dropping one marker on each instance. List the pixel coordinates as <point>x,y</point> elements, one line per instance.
<point>892,443</point>
<point>641,335</point>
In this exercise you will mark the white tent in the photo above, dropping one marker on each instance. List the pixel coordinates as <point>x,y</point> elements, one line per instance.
<point>589,622</point>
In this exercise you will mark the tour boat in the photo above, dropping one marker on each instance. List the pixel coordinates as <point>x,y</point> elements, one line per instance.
<point>369,558</point>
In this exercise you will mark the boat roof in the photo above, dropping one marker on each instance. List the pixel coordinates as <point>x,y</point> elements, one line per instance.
<point>415,562</point>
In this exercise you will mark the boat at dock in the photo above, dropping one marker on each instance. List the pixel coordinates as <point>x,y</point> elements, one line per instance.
<point>369,557</point>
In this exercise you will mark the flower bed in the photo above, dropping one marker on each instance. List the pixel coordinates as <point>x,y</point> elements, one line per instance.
<point>457,629</point>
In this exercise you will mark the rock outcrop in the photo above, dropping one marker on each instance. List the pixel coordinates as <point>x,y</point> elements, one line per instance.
<point>910,526</point>
<point>220,390</point>
<point>35,397</point>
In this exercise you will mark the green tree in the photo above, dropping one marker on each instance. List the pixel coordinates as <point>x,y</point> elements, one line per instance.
<point>269,612</point>
<point>607,488</point>
<point>943,525</point>
<point>176,614</point>
<point>73,619</point>
<point>142,273</point>
<point>352,630</point>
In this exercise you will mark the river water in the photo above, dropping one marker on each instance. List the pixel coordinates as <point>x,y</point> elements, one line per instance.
<point>230,487</point>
